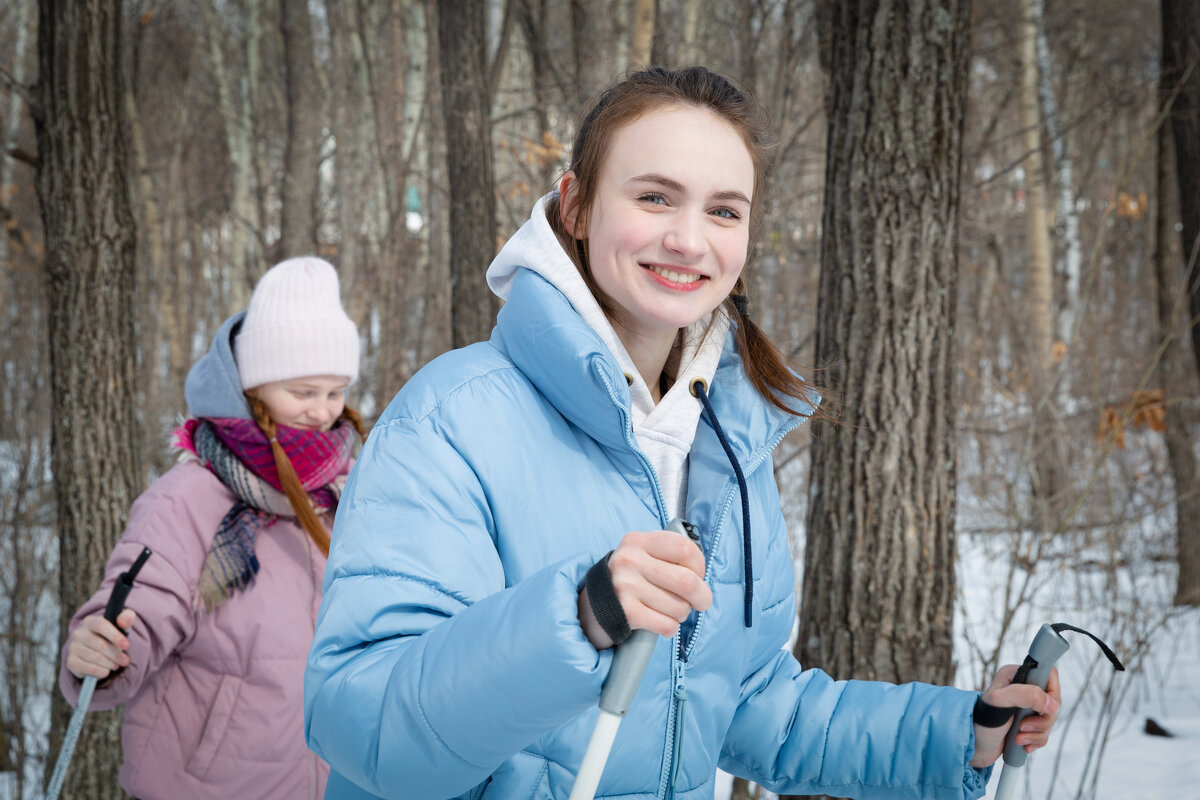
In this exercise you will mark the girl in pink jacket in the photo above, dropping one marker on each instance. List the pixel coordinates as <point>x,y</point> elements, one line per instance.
<point>210,651</point>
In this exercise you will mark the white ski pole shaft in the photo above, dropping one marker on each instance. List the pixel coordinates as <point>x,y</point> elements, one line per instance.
<point>628,666</point>
<point>116,603</point>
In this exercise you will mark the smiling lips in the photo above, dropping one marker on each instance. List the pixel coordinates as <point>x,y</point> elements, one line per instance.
<point>688,279</point>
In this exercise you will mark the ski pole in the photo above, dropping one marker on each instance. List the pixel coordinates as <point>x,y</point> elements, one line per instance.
<point>628,666</point>
<point>1047,648</point>
<point>116,604</point>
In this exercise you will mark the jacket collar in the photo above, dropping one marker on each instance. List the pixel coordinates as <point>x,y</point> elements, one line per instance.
<point>570,365</point>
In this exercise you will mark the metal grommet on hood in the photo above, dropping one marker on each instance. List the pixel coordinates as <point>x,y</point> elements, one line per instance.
<point>628,379</point>
<point>692,386</point>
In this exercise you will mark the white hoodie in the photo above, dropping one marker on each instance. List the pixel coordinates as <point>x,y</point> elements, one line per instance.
<point>665,431</point>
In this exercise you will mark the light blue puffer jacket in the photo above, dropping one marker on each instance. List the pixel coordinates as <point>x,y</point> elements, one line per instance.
<point>448,659</point>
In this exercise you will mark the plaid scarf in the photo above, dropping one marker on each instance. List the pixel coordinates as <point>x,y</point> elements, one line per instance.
<point>239,454</point>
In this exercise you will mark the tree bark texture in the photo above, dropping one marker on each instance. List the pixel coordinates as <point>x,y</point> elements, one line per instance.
<point>90,243</point>
<point>1181,78</point>
<point>464,68</point>
<point>298,219</point>
<point>1178,374</point>
<point>878,594</point>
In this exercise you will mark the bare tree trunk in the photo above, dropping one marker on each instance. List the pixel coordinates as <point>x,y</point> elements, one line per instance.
<point>592,42</point>
<point>643,33</point>
<point>464,69</point>
<point>1067,222</point>
<point>691,29</point>
<point>12,119</point>
<point>244,216</point>
<point>1181,76</point>
<point>90,244</point>
<point>1045,464</point>
<point>878,593</point>
<point>298,219</point>
<point>1177,370</point>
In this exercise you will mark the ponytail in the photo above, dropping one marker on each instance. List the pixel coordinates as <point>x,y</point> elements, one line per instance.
<point>769,370</point>
<point>306,515</point>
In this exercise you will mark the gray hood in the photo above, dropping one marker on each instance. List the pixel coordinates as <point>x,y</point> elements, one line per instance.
<point>213,388</point>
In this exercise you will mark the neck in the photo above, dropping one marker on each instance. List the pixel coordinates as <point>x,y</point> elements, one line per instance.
<point>650,356</point>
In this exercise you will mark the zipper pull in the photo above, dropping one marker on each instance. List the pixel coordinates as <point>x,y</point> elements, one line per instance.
<point>680,692</point>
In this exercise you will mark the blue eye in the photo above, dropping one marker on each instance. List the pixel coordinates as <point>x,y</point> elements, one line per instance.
<point>653,198</point>
<point>727,213</point>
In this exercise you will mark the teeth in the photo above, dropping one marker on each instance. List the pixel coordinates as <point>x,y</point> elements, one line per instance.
<point>676,277</point>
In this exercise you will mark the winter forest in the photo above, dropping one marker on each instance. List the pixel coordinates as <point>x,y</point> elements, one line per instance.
<point>980,233</point>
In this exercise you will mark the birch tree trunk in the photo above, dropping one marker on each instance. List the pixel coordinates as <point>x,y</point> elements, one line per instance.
<point>1067,223</point>
<point>1045,467</point>
<point>301,151</point>
<point>1177,371</point>
<point>878,593</point>
<point>464,68</point>
<point>90,244</point>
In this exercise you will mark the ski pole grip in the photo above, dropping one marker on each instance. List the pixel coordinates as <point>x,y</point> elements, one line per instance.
<point>116,600</point>
<point>1048,646</point>
<point>631,659</point>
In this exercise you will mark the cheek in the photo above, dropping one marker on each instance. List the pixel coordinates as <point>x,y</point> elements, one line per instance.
<point>283,409</point>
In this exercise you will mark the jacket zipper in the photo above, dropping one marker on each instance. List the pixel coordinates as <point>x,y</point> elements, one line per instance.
<point>675,726</point>
<point>673,746</point>
<point>676,719</point>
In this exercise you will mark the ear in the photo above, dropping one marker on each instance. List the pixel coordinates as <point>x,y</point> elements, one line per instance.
<point>568,205</point>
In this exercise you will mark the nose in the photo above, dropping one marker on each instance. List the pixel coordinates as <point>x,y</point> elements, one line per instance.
<point>685,235</point>
<point>320,412</point>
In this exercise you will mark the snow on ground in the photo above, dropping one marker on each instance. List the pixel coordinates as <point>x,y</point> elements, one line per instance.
<point>1099,750</point>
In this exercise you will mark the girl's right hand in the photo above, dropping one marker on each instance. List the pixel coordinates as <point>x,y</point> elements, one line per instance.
<point>658,577</point>
<point>97,647</point>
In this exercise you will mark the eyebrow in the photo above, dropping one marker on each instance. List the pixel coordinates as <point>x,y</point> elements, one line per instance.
<point>676,186</point>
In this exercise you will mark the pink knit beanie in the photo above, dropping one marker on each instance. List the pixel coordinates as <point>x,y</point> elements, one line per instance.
<point>295,326</point>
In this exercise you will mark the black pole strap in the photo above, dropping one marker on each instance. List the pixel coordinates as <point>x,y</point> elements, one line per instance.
<point>1059,627</point>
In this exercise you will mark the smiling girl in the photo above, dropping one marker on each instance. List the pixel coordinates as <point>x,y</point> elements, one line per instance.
<point>504,526</point>
<point>209,657</point>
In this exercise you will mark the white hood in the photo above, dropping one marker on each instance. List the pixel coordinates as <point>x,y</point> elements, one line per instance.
<point>664,431</point>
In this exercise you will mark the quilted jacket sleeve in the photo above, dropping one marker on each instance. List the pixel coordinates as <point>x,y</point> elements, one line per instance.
<point>798,731</point>
<point>427,671</point>
<point>161,595</point>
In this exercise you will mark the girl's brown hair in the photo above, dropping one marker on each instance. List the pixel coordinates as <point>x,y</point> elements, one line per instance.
<point>306,515</point>
<point>768,369</point>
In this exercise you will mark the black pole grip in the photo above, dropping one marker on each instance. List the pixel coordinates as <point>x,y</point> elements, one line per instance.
<point>116,600</point>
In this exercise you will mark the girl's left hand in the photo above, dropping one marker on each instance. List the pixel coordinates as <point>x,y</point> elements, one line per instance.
<point>1035,728</point>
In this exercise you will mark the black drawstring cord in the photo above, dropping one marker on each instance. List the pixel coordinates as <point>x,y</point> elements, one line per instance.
<point>747,554</point>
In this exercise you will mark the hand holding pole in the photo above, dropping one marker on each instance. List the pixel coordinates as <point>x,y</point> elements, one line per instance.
<point>1047,648</point>
<point>624,676</point>
<point>116,604</point>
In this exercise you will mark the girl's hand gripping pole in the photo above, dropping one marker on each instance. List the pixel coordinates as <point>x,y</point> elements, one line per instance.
<point>624,676</point>
<point>1047,648</point>
<point>116,604</point>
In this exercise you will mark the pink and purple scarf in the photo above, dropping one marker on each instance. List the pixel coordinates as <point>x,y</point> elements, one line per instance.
<point>240,455</point>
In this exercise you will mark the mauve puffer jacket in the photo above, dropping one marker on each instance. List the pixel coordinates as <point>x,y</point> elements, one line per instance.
<point>213,700</point>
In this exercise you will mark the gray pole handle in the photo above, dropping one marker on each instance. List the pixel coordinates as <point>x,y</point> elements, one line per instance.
<point>1048,646</point>
<point>630,662</point>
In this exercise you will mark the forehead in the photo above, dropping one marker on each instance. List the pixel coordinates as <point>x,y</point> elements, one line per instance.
<point>693,146</point>
<point>318,382</point>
